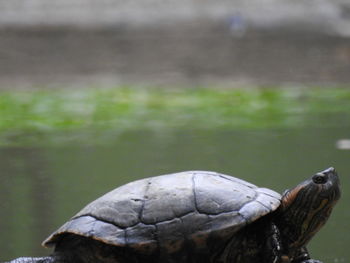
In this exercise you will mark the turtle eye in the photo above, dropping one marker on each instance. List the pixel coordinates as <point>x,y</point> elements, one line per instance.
<point>320,178</point>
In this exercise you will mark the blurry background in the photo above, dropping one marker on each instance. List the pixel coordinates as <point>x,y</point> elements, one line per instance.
<point>185,41</point>
<point>94,94</point>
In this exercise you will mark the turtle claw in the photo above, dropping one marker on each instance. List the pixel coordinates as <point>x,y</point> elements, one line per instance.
<point>311,261</point>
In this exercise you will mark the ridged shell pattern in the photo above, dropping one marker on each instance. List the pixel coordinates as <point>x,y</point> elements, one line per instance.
<point>171,208</point>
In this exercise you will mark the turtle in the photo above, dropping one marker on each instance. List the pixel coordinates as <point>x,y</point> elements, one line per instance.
<point>196,216</point>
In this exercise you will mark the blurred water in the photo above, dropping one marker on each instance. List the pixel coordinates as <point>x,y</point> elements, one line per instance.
<point>41,188</point>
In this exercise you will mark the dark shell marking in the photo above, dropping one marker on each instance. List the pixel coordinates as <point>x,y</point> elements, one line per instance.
<point>164,211</point>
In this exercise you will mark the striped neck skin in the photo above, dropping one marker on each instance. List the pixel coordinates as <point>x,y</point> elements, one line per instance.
<point>306,208</point>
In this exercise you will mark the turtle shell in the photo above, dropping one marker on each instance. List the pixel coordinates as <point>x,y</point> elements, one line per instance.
<point>170,209</point>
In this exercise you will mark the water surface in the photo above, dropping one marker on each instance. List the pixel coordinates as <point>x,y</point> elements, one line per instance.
<point>42,187</point>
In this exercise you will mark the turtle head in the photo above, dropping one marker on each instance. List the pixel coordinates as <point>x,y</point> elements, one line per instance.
<point>306,208</point>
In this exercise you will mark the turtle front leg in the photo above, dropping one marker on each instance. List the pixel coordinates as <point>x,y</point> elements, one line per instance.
<point>33,260</point>
<point>304,257</point>
<point>273,248</point>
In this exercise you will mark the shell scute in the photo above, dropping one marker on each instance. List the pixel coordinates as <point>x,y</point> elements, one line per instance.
<point>90,227</point>
<point>162,204</point>
<point>121,206</point>
<point>230,197</point>
<point>141,235</point>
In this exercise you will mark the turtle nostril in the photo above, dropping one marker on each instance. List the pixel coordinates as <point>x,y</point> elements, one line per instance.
<point>320,178</point>
<point>329,170</point>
